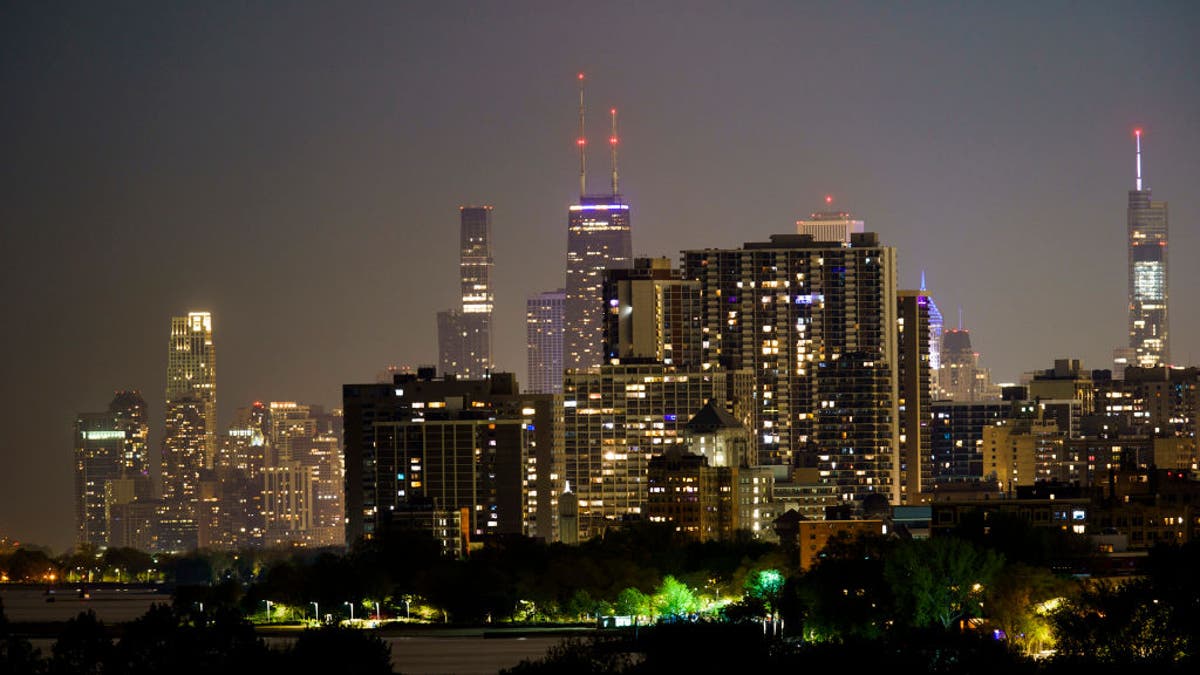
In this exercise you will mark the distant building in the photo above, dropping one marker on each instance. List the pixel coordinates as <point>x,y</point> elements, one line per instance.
<point>830,226</point>
<point>457,444</point>
<point>915,392</point>
<point>652,313</point>
<point>465,333</point>
<point>1147,228</point>
<point>599,238</point>
<point>185,440</point>
<point>544,341</point>
<point>615,419</point>
<point>192,371</point>
<point>960,377</point>
<point>815,322</point>
<point>708,490</point>
<point>112,465</point>
<point>956,438</point>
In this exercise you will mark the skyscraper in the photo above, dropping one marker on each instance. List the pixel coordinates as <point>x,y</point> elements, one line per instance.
<point>190,434</point>
<point>1147,221</point>
<point>815,321</point>
<point>544,341</point>
<point>465,334</point>
<point>960,377</point>
<point>112,465</point>
<point>652,313</point>
<point>191,371</point>
<point>915,395</point>
<point>598,238</point>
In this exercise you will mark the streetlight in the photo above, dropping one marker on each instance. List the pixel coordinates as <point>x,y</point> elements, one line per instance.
<point>351,606</point>
<point>316,611</point>
<point>269,603</point>
<point>406,601</point>
<point>378,617</point>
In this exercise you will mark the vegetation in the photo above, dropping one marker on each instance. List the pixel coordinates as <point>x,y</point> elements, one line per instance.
<point>985,599</point>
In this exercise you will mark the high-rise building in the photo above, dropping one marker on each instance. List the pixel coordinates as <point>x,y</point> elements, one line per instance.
<point>960,377</point>
<point>192,371</point>
<point>232,495</point>
<point>615,419</point>
<point>287,503</point>
<point>652,313</point>
<point>112,465</point>
<point>544,341</point>
<point>189,444</point>
<point>465,333</point>
<point>421,444</point>
<point>599,238</point>
<point>185,441</point>
<point>957,437</point>
<point>1147,223</point>
<point>915,396</point>
<point>815,322</point>
<point>830,225</point>
<point>937,326</point>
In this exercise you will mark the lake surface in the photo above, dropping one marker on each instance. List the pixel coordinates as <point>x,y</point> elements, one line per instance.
<point>111,605</point>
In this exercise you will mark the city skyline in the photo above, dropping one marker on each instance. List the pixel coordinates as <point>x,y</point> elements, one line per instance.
<point>1012,201</point>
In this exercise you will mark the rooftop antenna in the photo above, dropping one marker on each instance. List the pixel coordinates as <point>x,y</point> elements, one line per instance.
<point>582,144</point>
<point>612,141</point>
<point>922,280</point>
<point>1137,133</point>
<point>960,317</point>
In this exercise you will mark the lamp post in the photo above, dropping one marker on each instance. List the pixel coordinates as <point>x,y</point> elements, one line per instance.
<point>316,611</point>
<point>351,606</point>
<point>269,603</point>
<point>378,616</point>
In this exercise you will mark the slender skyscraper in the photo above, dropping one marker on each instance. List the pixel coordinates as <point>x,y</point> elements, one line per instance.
<point>192,371</point>
<point>465,334</point>
<point>598,238</point>
<point>190,434</point>
<point>544,342</point>
<point>1147,222</point>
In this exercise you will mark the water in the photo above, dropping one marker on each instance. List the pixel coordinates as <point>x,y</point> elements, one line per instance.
<point>111,605</point>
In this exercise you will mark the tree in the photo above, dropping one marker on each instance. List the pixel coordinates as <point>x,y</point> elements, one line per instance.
<point>17,655</point>
<point>632,602</point>
<point>1016,604</point>
<point>939,581</point>
<point>673,598</point>
<point>767,586</point>
<point>82,647</point>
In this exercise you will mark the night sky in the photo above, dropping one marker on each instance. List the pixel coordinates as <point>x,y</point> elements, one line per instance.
<point>296,169</point>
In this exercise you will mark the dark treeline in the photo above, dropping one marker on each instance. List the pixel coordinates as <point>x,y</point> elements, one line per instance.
<point>512,578</point>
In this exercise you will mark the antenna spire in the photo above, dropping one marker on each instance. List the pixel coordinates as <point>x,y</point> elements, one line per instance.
<point>960,317</point>
<point>922,280</point>
<point>612,141</point>
<point>582,141</point>
<point>1137,133</point>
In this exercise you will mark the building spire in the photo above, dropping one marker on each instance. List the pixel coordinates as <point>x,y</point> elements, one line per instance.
<point>922,280</point>
<point>612,141</point>
<point>582,141</point>
<point>960,317</point>
<point>1137,133</point>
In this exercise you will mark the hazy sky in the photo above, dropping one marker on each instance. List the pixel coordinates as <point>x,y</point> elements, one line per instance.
<point>296,169</point>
